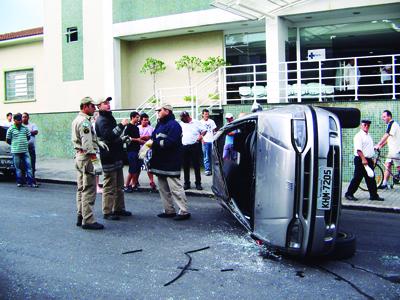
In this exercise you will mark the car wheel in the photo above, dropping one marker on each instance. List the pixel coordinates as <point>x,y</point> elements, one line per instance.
<point>345,246</point>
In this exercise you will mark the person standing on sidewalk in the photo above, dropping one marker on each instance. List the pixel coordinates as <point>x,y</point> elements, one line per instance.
<point>192,135</point>
<point>392,139</point>
<point>208,139</point>
<point>34,130</point>
<point>363,153</point>
<point>18,136</point>
<point>166,163</point>
<point>132,131</point>
<point>85,144</point>
<point>109,132</point>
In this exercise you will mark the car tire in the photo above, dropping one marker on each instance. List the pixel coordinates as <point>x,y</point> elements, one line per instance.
<point>345,246</point>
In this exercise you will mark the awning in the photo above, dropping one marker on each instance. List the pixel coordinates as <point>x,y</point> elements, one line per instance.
<point>256,9</point>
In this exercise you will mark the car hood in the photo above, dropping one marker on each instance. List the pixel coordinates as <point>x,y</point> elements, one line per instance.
<point>5,148</point>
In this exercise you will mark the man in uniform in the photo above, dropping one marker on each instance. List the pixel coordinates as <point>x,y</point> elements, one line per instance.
<point>363,153</point>
<point>392,139</point>
<point>110,132</point>
<point>85,144</point>
<point>166,163</point>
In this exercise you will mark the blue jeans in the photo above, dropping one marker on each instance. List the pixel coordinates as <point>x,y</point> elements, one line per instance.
<point>207,154</point>
<point>25,159</point>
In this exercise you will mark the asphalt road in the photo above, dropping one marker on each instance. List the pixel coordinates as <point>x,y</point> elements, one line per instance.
<point>43,255</point>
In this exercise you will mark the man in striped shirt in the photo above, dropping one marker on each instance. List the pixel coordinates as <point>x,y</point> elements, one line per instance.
<point>18,136</point>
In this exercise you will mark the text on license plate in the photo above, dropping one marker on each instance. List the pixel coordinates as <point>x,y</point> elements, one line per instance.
<point>325,188</point>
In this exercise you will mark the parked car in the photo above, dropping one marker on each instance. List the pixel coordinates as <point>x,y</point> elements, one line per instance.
<point>285,185</point>
<point>6,160</point>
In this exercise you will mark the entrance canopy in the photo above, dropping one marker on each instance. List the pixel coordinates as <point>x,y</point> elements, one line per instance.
<point>256,9</point>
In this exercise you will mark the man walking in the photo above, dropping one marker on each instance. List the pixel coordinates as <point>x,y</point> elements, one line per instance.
<point>18,136</point>
<point>363,153</point>
<point>33,129</point>
<point>192,135</point>
<point>109,132</point>
<point>166,163</point>
<point>85,144</point>
<point>208,139</point>
<point>392,139</point>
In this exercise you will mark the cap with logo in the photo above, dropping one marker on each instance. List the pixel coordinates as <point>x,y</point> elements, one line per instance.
<point>228,116</point>
<point>164,106</point>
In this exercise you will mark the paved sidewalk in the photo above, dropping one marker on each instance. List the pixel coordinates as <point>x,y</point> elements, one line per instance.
<point>62,170</point>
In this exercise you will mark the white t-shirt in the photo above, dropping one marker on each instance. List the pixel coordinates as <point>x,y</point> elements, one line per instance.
<point>386,75</point>
<point>393,141</point>
<point>191,131</point>
<point>32,127</point>
<point>209,125</point>
<point>363,141</point>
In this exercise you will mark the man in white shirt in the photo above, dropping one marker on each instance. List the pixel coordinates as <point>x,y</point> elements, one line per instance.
<point>392,139</point>
<point>208,139</point>
<point>351,76</point>
<point>9,120</point>
<point>192,134</point>
<point>31,143</point>
<point>363,153</point>
<point>386,80</point>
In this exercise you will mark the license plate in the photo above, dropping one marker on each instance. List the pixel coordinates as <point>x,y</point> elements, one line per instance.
<point>325,188</point>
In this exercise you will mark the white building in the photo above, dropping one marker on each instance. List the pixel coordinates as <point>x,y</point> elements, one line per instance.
<point>97,48</point>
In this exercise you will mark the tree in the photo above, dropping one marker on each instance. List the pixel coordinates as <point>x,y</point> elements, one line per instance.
<point>191,63</point>
<point>153,66</point>
<point>210,65</point>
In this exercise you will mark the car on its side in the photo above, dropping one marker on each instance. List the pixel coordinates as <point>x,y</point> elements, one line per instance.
<point>285,185</point>
<point>6,160</point>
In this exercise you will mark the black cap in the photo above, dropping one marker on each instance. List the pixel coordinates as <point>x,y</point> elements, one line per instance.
<point>366,121</point>
<point>184,114</point>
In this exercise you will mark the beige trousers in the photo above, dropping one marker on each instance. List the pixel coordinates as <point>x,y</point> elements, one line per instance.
<point>171,189</point>
<point>86,192</point>
<point>113,195</point>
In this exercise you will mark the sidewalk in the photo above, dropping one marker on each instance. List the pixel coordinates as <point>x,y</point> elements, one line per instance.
<point>62,170</point>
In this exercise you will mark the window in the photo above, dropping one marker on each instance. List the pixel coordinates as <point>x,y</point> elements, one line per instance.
<point>72,34</point>
<point>19,85</point>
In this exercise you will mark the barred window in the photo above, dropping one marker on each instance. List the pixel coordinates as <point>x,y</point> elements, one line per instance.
<point>20,85</point>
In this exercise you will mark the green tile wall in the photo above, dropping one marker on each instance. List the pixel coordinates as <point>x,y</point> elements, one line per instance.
<point>130,10</point>
<point>54,139</point>
<point>72,53</point>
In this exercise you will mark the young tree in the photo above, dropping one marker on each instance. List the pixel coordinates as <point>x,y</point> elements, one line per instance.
<point>153,66</point>
<point>210,65</point>
<point>191,63</point>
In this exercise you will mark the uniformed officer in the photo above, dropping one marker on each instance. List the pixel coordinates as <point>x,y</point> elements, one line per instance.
<point>363,153</point>
<point>86,163</point>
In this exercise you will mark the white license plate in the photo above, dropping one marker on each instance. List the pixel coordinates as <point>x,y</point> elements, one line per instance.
<point>325,188</point>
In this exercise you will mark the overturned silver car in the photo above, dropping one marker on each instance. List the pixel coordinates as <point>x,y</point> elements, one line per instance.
<point>284,186</point>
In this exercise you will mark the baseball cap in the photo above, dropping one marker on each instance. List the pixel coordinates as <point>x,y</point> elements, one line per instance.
<point>184,114</point>
<point>228,116</point>
<point>165,106</point>
<point>365,121</point>
<point>88,100</point>
<point>104,100</point>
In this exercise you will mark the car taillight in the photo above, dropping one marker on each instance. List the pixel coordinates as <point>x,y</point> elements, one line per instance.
<point>295,234</point>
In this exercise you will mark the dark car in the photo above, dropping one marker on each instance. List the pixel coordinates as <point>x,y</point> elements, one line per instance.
<point>6,160</point>
<point>285,185</point>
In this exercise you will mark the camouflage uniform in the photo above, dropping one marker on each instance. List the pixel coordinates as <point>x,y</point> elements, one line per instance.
<point>85,144</point>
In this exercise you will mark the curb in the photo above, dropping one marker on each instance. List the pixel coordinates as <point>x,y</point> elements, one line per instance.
<point>210,195</point>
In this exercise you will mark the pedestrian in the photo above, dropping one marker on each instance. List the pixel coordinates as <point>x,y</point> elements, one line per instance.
<point>9,120</point>
<point>386,81</point>
<point>363,153</point>
<point>33,129</point>
<point>229,153</point>
<point>87,165</point>
<point>99,186</point>
<point>392,139</point>
<point>351,77</point>
<point>18,136</point>
<point>166,163</point>
<point>109,132</point>
<point>145,131</point>
<point>192,136</point>
<point>133,148</point>
<point>207,140</point>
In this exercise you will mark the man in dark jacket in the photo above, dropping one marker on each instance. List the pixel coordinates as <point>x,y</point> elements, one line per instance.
<point>109,131</point>
<point>166,163</point>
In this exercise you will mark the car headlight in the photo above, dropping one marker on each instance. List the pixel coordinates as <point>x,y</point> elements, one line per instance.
<point>295,234</point>
<point>299,133</point>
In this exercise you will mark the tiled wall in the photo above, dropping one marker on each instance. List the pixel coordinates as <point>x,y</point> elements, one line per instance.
<point>54,139</point>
